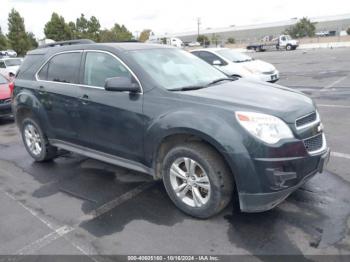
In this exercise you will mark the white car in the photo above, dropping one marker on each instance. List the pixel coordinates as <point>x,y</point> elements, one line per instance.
<point>11,53</point>
<point>9,66</point>
<point>234,63</point>
<point>192,44</point>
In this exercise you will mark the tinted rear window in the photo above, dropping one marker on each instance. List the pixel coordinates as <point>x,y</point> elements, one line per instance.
<point>29,66</point>
<point>62,68</point>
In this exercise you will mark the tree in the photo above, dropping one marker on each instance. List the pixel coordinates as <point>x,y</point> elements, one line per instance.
<point>123,34</point>
<point>348,31</point>
<point>107,36</point>
<point>144,36</point>
<point>3,41</point>
<point>93,29</point>
<point>32,40</point>
<point>17,36</point>
<point>73,30</point>
<point>57,29</point>
<point>304,28</point>
<point>81,27</point>
<point>215,38</point>
<point>116,34</point>
<point>203,39</point>
<point>231,40</point>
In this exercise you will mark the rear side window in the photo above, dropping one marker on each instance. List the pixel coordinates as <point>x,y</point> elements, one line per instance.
<point>100,66</point>
<point>62,68</point>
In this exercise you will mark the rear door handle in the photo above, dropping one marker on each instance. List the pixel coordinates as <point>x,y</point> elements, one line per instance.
<point>85,99</point>
<point>41,90</point>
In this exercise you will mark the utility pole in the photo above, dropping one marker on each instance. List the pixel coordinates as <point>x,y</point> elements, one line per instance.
<point>198,25</point>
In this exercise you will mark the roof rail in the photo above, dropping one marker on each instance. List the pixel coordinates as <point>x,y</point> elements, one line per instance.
<point>69,42</point>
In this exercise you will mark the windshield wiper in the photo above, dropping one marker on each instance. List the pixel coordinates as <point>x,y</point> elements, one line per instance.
<point>187,88</point>
<point>220,80</point>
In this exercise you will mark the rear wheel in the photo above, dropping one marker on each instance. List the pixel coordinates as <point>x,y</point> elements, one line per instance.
<point>36,142</point>
<point>197,179</point>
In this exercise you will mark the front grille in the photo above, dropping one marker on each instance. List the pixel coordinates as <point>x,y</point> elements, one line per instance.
<point>306,120</point>
<point>314,143</point>
<point>5,101</point>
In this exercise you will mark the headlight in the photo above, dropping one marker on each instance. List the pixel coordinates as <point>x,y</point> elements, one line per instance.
<point>267,128</point>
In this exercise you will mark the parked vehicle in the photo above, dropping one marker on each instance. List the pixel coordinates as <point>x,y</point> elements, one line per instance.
<point>172,41</point>
<point>6,89</point>
<point>193,44</point>
<point>281,42</point>
<point>233,63</point>
<point>11,53</point>
<point>165,112</point>
<point>9,66</point>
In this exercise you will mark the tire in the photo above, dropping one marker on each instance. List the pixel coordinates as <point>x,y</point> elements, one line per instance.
<point>289,47</point>
<point>215,181</point>
<point>35,141</point>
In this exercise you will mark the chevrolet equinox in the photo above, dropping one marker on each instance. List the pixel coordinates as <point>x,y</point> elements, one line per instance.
<point>164,112</point>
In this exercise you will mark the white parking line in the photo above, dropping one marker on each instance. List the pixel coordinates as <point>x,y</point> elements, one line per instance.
<point>116,202</point>
<point>341,155</point>
<point>44,241</point>
<point>57,233</point>
<point>335,106</point>
<point>335,82</point>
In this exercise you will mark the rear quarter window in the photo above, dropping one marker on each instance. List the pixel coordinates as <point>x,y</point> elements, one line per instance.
<point>29,66</point>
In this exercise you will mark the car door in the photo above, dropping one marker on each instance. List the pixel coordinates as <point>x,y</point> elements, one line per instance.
<point>113,121</point>
<point>58,93</point>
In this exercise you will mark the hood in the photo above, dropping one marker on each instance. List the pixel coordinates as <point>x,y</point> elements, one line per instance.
<point>256,96</point>
<point>12,69</point>
<point>5,91</point>
<point>258,66</point>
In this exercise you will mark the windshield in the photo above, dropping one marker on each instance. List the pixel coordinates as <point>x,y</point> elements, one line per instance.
<point>234,56</point>
<point>174,68</point>
<point>288,37</point>
<point>2,80</point>
<point>13,62</point>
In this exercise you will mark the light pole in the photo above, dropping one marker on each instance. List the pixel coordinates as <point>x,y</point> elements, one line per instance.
<point>198,25</point>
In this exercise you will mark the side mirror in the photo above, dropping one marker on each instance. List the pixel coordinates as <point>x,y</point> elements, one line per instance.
<point>120,84</point>
<point>217,62</point>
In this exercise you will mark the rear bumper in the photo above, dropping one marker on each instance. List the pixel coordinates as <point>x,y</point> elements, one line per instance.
<point>289,180</point>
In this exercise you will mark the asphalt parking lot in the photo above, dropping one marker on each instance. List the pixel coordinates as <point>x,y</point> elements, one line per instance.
<point>77,205</point>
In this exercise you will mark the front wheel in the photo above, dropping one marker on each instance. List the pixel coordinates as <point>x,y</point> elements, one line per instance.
<point>289,47</point>
<point>197,179</point>
<point>36,142</point>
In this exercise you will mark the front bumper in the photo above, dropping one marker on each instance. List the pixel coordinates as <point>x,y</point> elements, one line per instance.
<point>284,176</point>
<point>5,110</point>
<point>272,78</point>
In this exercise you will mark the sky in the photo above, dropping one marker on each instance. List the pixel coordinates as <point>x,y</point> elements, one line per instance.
<point>164,16</point>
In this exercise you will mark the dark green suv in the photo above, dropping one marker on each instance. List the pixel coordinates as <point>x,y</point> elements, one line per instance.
<point>163,111</point>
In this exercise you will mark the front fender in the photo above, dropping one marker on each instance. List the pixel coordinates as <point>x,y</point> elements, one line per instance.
<point>216,130</point>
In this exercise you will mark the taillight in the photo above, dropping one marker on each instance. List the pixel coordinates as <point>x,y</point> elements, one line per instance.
<point>12,87</point>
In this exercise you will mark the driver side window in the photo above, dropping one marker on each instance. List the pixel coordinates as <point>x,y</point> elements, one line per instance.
<point>101,66</point>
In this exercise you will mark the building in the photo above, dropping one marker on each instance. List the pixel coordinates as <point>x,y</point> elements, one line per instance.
<point>252,33</point>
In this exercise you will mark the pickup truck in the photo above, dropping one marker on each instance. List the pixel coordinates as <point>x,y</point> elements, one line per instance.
<point>279,43</point>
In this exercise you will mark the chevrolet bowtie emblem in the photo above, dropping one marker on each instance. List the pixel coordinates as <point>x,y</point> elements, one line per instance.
<point>319,128</point>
